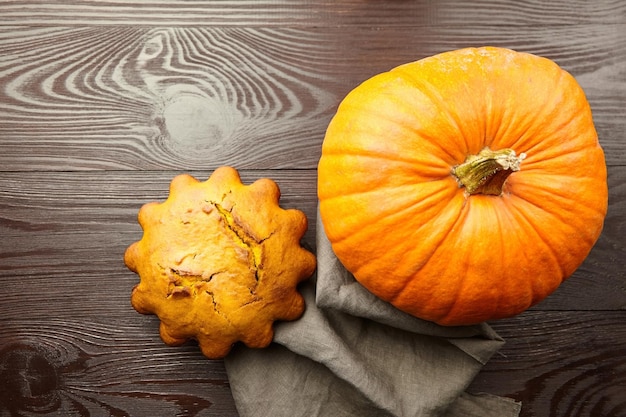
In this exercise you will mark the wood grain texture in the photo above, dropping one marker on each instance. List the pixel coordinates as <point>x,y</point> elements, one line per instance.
<point>197,98</point>
<point>312,13</point>
<point>85,367</point>
<point>572,363</point>
<point>557,363</point>
<point>185,97</point>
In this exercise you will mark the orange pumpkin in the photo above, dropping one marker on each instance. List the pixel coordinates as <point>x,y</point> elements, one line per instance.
<point>463,187</point>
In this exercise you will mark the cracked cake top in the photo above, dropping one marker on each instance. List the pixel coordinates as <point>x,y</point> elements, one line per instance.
<point>219,262</point>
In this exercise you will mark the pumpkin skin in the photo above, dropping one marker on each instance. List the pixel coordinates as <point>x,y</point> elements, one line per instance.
<point>402,223</point>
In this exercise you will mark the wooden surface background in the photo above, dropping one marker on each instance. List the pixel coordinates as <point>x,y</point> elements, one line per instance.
<point>103,102</point>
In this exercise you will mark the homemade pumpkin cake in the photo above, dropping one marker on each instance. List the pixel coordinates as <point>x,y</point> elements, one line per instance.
<point>219,262</point>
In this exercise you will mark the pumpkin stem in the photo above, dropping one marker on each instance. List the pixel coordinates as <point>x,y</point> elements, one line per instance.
<point>486,172</point>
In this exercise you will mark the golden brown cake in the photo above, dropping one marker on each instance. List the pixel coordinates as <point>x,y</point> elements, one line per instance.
<point>219,262</point>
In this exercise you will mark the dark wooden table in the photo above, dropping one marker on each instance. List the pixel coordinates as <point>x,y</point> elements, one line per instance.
<point>102,103</point>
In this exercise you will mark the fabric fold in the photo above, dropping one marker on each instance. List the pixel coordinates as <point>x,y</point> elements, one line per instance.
<point>352,354</point>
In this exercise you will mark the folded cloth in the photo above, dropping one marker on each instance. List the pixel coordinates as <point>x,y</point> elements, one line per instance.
<point>352,354</point>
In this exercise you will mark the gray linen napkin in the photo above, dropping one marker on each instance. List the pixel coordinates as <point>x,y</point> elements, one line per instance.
<point>352,354</point>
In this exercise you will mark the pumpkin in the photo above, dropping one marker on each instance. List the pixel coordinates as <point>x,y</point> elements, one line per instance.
<point>463,187</point>
<point>219,262</point>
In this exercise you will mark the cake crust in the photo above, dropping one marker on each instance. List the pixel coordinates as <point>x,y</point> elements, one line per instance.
<point>219,262</point>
